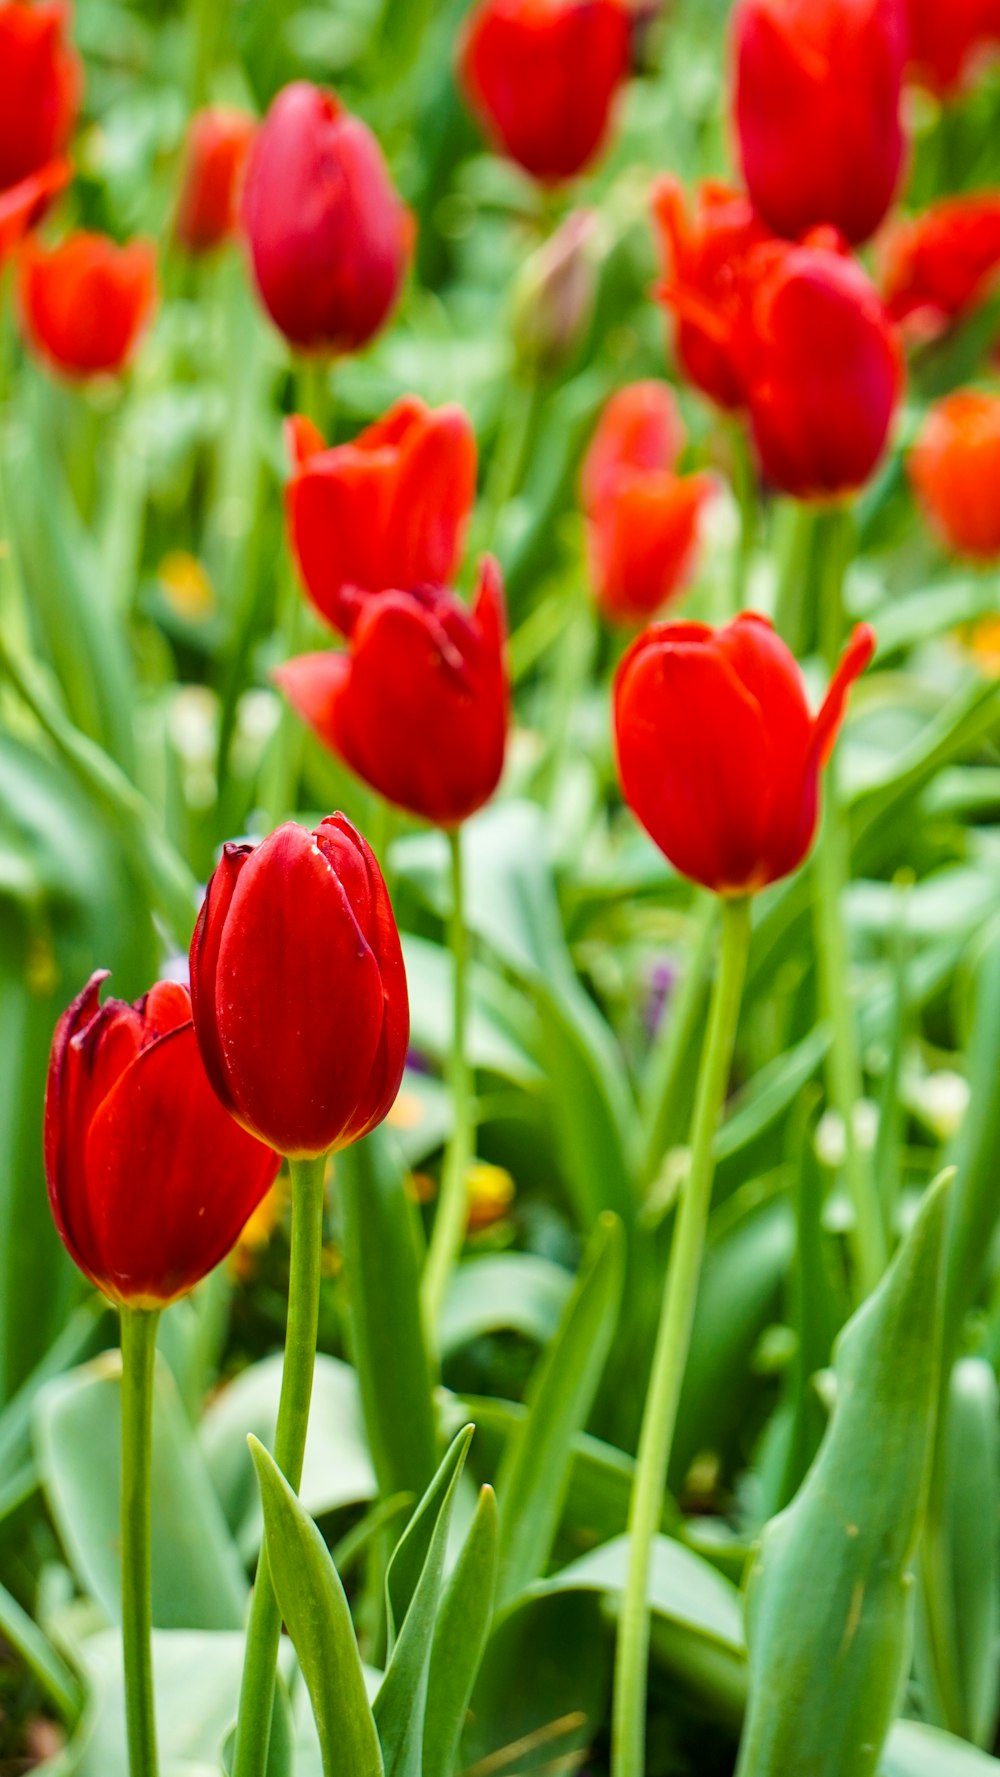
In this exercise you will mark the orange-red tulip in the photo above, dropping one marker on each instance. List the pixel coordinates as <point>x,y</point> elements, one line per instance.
<point>704,259</point>
<point>937,266</point>
<point>955,468</point>
<point>24,204</point>
<point>950,39</point>
<point>40,85</point>
<point>85,304</point>
<point>215,155</point>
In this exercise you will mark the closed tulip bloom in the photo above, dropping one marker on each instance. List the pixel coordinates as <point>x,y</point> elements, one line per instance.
<point>85,304</point>
<point>389,509</point>
<point>40,85</point>
<point>23,205</point>
<point>950,40</point>
<point>817,104</point>
<point>418,705</point>
<point>955,469</point>
<point>299,990</point>
<point>824,371</point>
<point>329,236</point>
<point>542,77</point>
<point>938,266</point>
<point>642,517</point>
<point>150,1180</point>
<point>719,755</point>
<point>215,154</point>
<point>704,257</point>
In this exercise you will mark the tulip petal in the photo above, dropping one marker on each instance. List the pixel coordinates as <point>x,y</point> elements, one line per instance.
<point>855,658</point>
<point>204,965</point>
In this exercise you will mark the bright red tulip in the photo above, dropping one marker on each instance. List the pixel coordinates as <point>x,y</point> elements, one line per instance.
<point>542,77</point>
<point>299,990</point>
<point>40,85</point>
<point>329,235</point>
<point>150,1180</point>
<point>418,705</point>
<point>704,279</point>
<point>389,509</point>
<point>818,89</point>
<point>24,204</point>
<point>823,371</point>
<point>215,155</point>
<point>937,266</point>
<point>949,39</point>
<point>955,468</point>
<point>85,304</point>
<point>642,517</point>
<point>718,754</point>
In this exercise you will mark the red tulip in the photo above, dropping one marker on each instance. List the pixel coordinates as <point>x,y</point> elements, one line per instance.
<point>24,204</point>
<point>642,530</point>
<point>388,509</point>
<point>823,370</point>
<point>542,77</point>
<point>150,1180</point>
<point>215,154</point>
<point>299,990</point>
<point>938,266</point>
<point>329,236</point>
<point>818,88</point>
<point>85,304</point>
<point>718,754</point>
<point>40,85</point>
<point>950,38</point>
<point>418,704</point>
<point>955,468</point>
<point>704,272</point>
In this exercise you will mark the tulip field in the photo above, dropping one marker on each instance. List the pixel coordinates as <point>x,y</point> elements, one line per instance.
<point>500,888</point>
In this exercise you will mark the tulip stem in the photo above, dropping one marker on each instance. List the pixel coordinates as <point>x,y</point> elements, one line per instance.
<point>672,1341</point>
<point>449,1222</point>
<point>672,1046</point>
<point>138,1342</point>
<point>745,491</point>
<point>253,1725</point>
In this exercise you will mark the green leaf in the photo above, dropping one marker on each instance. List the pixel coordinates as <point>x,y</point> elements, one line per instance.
<point>460,1637</point>
<point>918,1751</point>
<point>534,1475</point>
<point>830,1594</point>
<point>520,1292</point>
<point>51,1671</point>
<point>318,1618</point>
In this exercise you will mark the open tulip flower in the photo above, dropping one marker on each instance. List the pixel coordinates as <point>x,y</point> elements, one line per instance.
<point>817,110</point>
<point>955,468</point>
<point>418,704</point>
<point>542,77</point>
<point>215,155</point>
<point>949,39</point>
<point>150,1179</point>
<point>704,257</point>
<point>329,236</point>
<point>388,509</point>
<point>85,304</point>
<point>939,265</point>
<point>40,86</point>
<point>718,754</point>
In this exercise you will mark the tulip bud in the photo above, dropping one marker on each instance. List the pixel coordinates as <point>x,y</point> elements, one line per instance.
<point>718,754</point>
<point>955,469</point>
<point>299,990</point>
<point>40,85</point>
<point>150,1180</point>
<point>937,266</point>
<point>418,706</point>
<point>823,370</point>
<point>818,91</point>
<point>642,517</point>
<point>388,509</point>
<point>215,154</point>
<point>329,236</point>
<point>704,280</point>
<point>85,304</point>
<point>554,295</point>
<point>950,39</point>
<point>542,79</point>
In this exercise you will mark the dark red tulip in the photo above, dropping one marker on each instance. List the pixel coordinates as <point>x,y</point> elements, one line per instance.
<point>817,102</point>
<point>823,370</point>
<point>24,204</point>
<point>85,304</point>
<point>299,990</point>
<point>704,260</point>
<point>718,754</point>
<point>215,155</point>
<point>40,84</point>
<point>642,517</point>
<point>417,706</point>
<point>329,235</point>
<point>937,266</point>
<point>955,468</point>
<point>542,77</point>
<point>150,1180</point>
<point>950,40</point>
<point>388,509</point>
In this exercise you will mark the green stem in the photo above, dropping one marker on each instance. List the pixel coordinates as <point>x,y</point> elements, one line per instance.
<point>253,1725</point>
<point>449,1222</point>
<point>672,1342</point>
<point>673,1046</point>
<point>138,1340</point>
<point>793,548</point>
<point>513,442</point>
<point>745,491</point>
